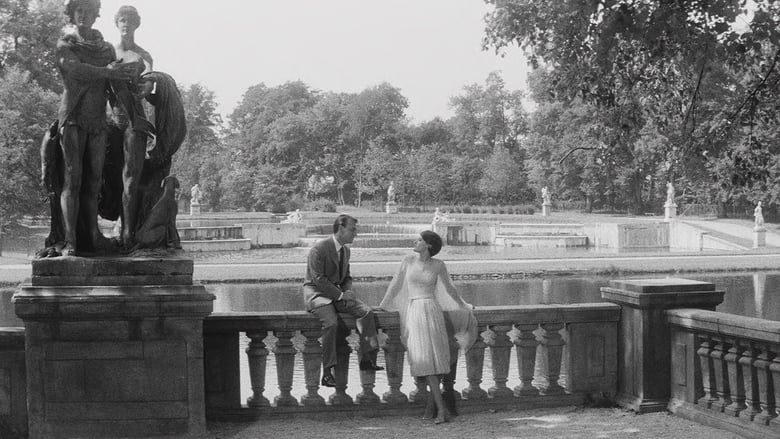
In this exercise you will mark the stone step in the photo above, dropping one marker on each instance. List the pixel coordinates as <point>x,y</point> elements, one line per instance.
<point>542,241</point>
<point>214,245</point>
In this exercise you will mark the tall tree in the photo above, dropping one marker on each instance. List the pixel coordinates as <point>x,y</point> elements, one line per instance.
<point>26,110</point>
<point>648,63</point>
<point>202,150</point>
<point>28,37</point>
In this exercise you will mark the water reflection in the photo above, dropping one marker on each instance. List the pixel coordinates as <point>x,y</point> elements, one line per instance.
<point>747,294</point>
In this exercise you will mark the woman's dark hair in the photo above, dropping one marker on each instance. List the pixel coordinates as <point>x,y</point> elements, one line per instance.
<point>130,12</point>
<point>433,239</point>
<point>71,5</point>
<point>342,220</point>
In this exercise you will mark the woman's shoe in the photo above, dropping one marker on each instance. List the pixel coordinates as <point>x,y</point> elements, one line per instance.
<point>430,410</point>
<point>442,418</point>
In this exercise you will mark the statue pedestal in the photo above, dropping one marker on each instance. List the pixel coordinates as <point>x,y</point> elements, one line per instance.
<point>391,207</point>
<point>759,237</point>
<point>114,347</point>
<point>670,211</point>
<point>195,209</point>
<point>546,208</point>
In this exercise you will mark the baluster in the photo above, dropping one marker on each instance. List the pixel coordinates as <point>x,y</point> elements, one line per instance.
<point>312,365</point>
<point>421,394</point>
<point>721,375</point>
<point>285,364</point>
<point>526,359</point>
<point>475,362</point>
<point>552,348</point>
<point>257,355</point>
<point>500,353</point>
<point>367,380</point>
<point>766,396</point>
<point>341,373</point>
<point>752,406</point>
<point>394,365</point>
<point>707,372</point>
<point>735,376</point>
<point>774,368</point>
<point>448,393</point>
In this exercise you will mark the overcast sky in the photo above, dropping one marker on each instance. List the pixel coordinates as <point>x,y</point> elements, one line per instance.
<point>430,49</point>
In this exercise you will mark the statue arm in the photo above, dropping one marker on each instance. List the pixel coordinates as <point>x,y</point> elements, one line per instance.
<point>74,68</point>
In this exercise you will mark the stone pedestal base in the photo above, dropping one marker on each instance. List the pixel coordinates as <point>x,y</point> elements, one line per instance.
<point>644,346</point>
<point>114,348</point>
<point>391,207</point>
<point>670,212</point>
<point>546,208</point>
<point>759,237</point>
<point>194,209</point>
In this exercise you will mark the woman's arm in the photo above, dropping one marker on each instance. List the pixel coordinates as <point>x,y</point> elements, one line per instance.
<point>449,287</point>
<point>395,286</point>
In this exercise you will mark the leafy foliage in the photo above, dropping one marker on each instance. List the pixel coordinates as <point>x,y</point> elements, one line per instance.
<point>26,110</point>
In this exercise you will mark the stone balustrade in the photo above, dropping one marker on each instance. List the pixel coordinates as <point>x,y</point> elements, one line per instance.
<point>726,371</point>
<point>563,354</point>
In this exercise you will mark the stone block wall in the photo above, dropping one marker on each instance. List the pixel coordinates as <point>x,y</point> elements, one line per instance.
<point>13,394</point>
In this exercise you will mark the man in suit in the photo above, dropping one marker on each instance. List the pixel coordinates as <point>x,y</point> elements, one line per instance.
<point>327,291</point>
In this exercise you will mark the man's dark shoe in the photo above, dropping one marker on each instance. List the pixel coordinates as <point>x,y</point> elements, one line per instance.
<point>370,365</point>
<point>328,380</point>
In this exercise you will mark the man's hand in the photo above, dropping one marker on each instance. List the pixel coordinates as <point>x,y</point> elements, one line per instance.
<point>349,295</point>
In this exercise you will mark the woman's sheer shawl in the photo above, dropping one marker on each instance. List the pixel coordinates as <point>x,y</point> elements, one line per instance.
<point>458,315</point>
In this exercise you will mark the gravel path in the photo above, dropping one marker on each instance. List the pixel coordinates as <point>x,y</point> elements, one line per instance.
<point>562,422</point>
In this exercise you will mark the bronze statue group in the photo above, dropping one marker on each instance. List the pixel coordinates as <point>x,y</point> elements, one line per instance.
<point>114,163</point>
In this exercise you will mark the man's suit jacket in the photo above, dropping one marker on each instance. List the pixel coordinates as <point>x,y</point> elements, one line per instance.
<point>323,283</point>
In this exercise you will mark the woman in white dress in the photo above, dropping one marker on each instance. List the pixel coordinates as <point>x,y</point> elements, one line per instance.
<point>424,296</point>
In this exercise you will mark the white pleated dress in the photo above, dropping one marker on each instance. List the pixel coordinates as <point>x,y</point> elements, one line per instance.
<point>425,298</point>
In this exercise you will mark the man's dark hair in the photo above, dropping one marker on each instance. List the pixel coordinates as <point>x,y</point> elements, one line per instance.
<point>343,221</point>
<point>130,12</point>
<point>434,240</point>
<point>70,7</point>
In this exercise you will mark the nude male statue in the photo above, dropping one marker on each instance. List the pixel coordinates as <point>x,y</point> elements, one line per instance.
<point>130,115</point>
<point>86,63</point>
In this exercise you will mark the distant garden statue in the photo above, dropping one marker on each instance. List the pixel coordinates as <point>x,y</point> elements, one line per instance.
<point>546,196</point>
<point>391,193</point>
<point>441,217</point>
<point>293,217</point>
<point>115,166</point>
<point>758,215</point>
<point>670,207</point>
<point>669,194</point>
<point>195,194</point>
<point>391,206</point>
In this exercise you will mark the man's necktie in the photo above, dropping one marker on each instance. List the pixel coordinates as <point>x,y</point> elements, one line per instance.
<point>341,262</point>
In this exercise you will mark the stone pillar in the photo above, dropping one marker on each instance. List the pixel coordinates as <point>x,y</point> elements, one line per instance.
<point>391,207</point>
<point>644,352</point>
<point>759,237</point>
<point>194,209</point>
<point>114,347</point>
<point>670,211</point>
<point>546,208</point>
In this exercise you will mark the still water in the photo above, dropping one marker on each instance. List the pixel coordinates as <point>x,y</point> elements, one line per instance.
<point>747,294</point>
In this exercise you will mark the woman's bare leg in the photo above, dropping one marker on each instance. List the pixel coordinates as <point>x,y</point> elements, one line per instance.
<point>441,410</point>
